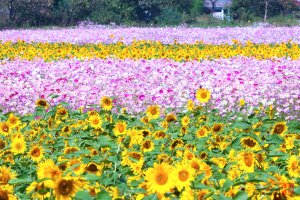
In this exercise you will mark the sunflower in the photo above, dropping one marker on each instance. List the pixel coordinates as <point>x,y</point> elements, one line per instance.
<point>66,130</point>
<point>233,173</point>
<point>185,121</point>
<point>13,120</point>
<point>203,95</point>
<point>170,118</point>
<point>42,103</point>
<point>95,121</point>
<point>293,166</point>
<point>159,135</point>
<point>220,162</point>
<point>18,146</point>
<point>190,105</point>
<point>120,128</point>
<point>93,189</point>
<point>176,144</point>
<point>129,158</point>
<point>38,190</point>
<point>202,132</point>
<point>66,188</point>
<point>5,128</point>
<point>147,146</point>
<point>70,150</point>
<point>93,113</point>
<point>2,144</point>
<point>242,102</point>
<point>183,175</point>
<point>246,161</point>
<point>94,168</point>
<point>6,174</point>
<point>153,112</point>
<point>250,143</point>
<point>48,169</point>
<point>6,193</point>
<point>279,128</point>
<point>76,166</point>
<point>159,179</point>
<point>36,153</point>
<point>61,112</point>
<point>106,103</point>
<point>164,158</point>
<point>217,128</point>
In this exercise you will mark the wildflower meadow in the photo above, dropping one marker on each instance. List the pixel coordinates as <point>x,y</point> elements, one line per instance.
<point>150,113</point>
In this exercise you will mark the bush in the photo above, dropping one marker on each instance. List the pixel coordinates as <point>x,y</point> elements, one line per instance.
<point>169,16</point>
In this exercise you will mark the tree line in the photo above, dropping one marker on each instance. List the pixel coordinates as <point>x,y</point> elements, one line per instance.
<point>16,13</point>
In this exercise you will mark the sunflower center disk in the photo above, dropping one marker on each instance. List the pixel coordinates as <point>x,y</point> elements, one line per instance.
<point>36,153</point>
<point>3,195</point>
<point>4,178</point>
<point>279,129</point>
<point>92,168</point>
<point>65,187</point>
<point>248,160</point>
<point>161,178</point>
<point>203,95</point>
<point>183,175</point>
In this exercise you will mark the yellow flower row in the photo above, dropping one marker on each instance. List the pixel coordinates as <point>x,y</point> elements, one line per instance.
<point>146,50</point>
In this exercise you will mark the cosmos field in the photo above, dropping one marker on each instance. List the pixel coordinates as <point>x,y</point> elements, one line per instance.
<point>150,113</point>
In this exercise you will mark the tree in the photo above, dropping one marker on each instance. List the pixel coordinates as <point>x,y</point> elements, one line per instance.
<point>213,4</point>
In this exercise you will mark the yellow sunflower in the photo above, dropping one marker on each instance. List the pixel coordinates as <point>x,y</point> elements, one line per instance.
<point>176,144</point>
<point>129,158</point>
<point>13,120</point>
<point>61,112</point>
<point>66,188</point>
<point>2,144</point>
<point>159,178</point>
<point>5,128</point>
<point>147,146</point>
<point>6,193</point>
<point>95,121</point>
<point>279,128</point>
<point>106,103</point>
<point>203,95</point>
<point>217,128</point>
<point>120,128</point>
<point>76,166</point>
<point>202,132</point>
<point>153,112</point>
<point>18,146</point>
<point>42,103</point>
<point>94,168</point>
<point>250,143</point>
<point>185,121</point>
<point>246,161</point>
<point>38,190</point>
<point>183,175</point>
<point>170,118</point>
<point>36,153</point>
<point>6,174</point>
<point>48,169</point>
<point>221,162</point>
<point>293,166</point>
<point>190,105</point>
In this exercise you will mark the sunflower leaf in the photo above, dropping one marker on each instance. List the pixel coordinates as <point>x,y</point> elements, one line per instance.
<point>242,125</point>
<point>150,197</point>
<point>241,195</point>
<point>20,180</point>
<point>103,195</point>
<point>83,195</point>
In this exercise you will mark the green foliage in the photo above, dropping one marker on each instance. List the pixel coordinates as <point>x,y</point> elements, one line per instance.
<point>169,16</point>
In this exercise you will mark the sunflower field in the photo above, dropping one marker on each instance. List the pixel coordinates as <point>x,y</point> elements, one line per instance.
<point>150,113</point>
